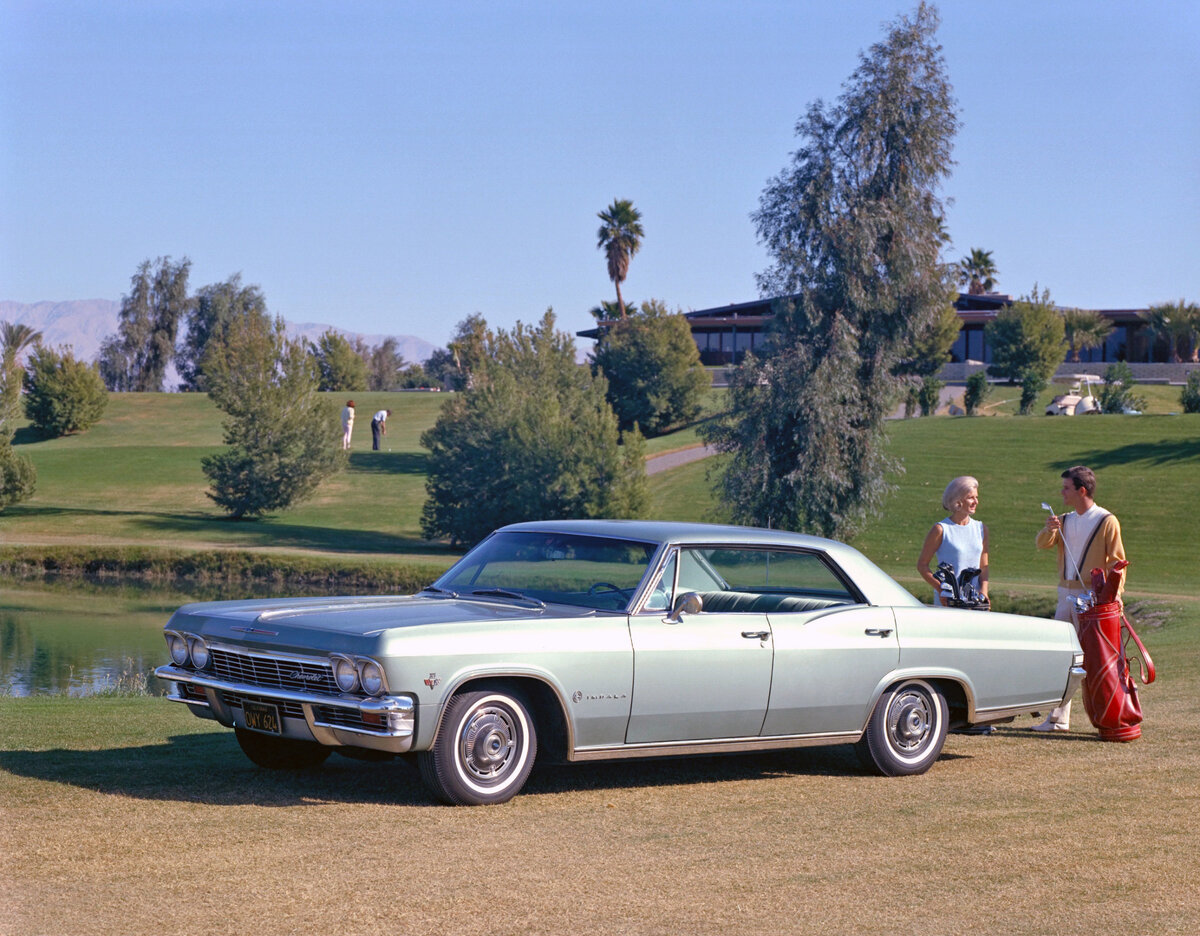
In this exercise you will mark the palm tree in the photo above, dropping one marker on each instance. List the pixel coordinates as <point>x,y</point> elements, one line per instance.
<point>620,237</point>
<point>608,310</point>
<point>1173,321</point>
<point>978,272</point>
<point>15,337</point>
<point>1085,329</point>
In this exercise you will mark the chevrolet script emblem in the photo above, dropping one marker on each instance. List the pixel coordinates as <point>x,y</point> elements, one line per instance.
<point>433,681</point>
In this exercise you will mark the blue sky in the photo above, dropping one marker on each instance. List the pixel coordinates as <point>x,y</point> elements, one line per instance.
<point>394,167</point>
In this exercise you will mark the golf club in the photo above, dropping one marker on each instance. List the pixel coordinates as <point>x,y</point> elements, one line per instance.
<point>1083,602</point>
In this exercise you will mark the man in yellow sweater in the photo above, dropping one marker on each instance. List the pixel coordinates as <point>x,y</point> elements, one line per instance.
<point>1087,537</point>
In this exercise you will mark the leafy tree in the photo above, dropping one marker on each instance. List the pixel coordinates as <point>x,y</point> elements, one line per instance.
<point>977,271</point>
<point>280,431</point>
<point>469,350</point>
<point>652,365</point>
<point>1026,339</point>
<point>216,307</point>
<point>18,477</point>
<point>136,357</point>
<point>339,365</point>
<point>1117,395</point>
<point>977,390</point>
<point>1189,396</point>
<point>620,236</point>
<point>534,438</point>
<point>62,394</point>
<point>855,230</point>
<point>414,376</point>
<point>1032,384</point>
<point>1084,329</point>
<point>384,365</point>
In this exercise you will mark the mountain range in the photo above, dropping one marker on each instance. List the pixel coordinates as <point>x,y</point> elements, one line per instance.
<point>83,324</point>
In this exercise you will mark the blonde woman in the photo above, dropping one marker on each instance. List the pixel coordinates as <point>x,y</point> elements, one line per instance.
<point>958,539</point>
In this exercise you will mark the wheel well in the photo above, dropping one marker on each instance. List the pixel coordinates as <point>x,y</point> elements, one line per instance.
<point>548,717</point>
<point>956,700</point>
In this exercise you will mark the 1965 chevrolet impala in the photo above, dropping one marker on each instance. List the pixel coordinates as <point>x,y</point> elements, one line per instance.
<point>586,640</point>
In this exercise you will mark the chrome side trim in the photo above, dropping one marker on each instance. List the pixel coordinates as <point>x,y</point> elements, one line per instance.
<point>719,746</point>
<point>1074,678</point>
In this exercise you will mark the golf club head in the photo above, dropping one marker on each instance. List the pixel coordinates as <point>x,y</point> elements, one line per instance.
<point>1046,506</point>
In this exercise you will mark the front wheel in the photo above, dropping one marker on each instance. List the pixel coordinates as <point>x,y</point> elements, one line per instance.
<point>277,753</point>
<point>906,731</point>
<point>484,749</point>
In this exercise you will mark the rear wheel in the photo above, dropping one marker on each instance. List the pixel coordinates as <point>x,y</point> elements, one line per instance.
<point>484,749</point>
<point>906,731</point>
<point>276,753</point>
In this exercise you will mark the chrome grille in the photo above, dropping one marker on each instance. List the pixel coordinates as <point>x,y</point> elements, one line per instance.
<point>254,670</point>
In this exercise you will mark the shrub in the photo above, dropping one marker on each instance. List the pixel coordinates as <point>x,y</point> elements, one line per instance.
<point>1189,397</point>
<point>976,392</point>
<point>930,395</point>
<point>1117,394</point>
<point>62,394</point>
<point>18,479</point>
<point>1032,384</point>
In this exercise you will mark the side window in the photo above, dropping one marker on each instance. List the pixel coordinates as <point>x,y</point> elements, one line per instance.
<point>770,571</point>
<point>697,574</point>
<point>662,594</point>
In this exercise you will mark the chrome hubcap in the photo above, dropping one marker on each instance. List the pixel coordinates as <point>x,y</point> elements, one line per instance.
<point>488,743</point>
<point>910,720</point>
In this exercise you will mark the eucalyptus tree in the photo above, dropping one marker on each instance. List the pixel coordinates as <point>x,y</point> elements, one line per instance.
<point>977,271</point>
<point>854,227</point>
<point>620,237</point>
<point>136,357</point>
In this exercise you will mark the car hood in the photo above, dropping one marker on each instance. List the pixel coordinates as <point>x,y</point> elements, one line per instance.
<point>317,622</point>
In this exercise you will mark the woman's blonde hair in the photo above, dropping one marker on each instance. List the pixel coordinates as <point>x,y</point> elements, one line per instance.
<point>958,489</point>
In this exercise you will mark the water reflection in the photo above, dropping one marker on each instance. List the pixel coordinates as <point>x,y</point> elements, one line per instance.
<point>81,637</point>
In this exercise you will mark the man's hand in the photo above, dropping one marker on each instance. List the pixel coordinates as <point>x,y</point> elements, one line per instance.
<point>1053,523</point>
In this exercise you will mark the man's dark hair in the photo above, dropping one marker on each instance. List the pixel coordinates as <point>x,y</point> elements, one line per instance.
<point>1083,478</point>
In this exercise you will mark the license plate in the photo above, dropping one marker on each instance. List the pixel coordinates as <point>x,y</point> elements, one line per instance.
<point>262,717</point>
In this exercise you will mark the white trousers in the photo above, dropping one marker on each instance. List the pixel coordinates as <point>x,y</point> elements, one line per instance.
<point>1065,611</point>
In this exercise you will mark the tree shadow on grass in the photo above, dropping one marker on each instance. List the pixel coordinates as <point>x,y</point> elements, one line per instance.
<point>251,534</point>
<point>384,462</point>
<point>1156,453</point>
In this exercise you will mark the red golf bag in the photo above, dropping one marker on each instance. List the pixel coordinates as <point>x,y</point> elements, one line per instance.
<point>1109,692</point>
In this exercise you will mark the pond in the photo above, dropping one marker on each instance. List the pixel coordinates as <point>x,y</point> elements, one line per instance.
<point>79,638</point>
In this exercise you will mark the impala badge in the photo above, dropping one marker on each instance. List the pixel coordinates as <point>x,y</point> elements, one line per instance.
<point>433,681</point>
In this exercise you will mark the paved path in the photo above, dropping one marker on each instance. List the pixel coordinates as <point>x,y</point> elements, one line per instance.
<point>669,460</point>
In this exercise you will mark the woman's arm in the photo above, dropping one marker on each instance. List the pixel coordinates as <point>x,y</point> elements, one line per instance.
<point>983,564</point>
<point>932,541</point>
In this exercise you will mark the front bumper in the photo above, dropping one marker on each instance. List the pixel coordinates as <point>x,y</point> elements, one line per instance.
<point>386,723</point>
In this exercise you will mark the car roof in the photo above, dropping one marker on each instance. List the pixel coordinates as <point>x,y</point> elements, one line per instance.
<point>876,584</point>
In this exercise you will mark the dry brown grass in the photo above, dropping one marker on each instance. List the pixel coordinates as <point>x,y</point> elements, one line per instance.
<point>127,816</point>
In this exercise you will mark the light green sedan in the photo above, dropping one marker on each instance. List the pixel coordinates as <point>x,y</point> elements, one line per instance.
<point>584,640</point>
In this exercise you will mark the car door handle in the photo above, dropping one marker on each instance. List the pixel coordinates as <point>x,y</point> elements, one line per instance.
<point>879,631</point>
<point>756,635</point>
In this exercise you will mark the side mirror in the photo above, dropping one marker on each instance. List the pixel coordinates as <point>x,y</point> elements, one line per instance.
<point>687,603</point>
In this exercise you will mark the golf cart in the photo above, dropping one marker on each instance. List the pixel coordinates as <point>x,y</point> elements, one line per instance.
<point>1078,400</point>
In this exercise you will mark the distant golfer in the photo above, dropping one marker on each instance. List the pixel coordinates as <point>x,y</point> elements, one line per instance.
<point>347,424</point>
<point>379,427</point>
<point>1088,537</point>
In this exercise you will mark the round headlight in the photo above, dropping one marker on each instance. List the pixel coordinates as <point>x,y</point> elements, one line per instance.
<point>179,649</point>
<point>372,678</point>
<point>199,653</point>
<point>345,673</point>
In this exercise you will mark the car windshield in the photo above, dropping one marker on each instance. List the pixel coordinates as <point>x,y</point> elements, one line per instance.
<point>587,571</point>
